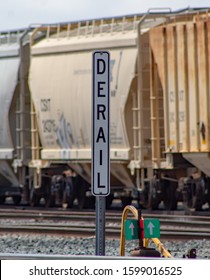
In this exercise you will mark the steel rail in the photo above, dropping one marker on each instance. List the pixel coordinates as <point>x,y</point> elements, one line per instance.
<point>112,231</point>
<point>75,223</point>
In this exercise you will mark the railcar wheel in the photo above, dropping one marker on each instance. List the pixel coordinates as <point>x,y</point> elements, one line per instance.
<point>109,200</point>
<point>153,203</point>
<point>197,204</point>
<point>2,199</point>
<point>153,196</point>
<point>125,201</point>
<point>50,201</point>
<point>170,196</point>
<point>208,196</point>
<point>153,200</point>
<point>16,199</point>
<point>207,191</point>
<point>35,199</point>
<point>66,197</point>
<point>82,198</point>
<point>198,199</point>
<point>90,202</point>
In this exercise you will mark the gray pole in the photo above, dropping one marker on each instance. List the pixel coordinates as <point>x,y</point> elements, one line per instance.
<point>100,225</point>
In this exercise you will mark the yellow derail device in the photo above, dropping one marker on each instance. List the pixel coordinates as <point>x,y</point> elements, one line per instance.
<point>144,230</point>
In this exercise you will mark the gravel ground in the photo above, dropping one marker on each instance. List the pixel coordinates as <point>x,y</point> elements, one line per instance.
<point>54,245</point>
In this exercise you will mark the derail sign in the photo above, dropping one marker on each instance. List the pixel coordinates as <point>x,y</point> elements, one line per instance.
<point>100,124</point>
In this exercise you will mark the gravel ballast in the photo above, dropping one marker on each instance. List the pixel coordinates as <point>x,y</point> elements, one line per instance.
<point>57,245</point>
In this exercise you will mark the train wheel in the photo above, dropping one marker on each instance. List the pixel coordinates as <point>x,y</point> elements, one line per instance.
<point>153,199</point>
<point>153,203</point>
<point>50,201</point>
<point>125,201</point>
<point>16,199</point>
<point>81,199</point>
<point>170,196</point>
<point>109,200</point>
<point>198,199</point>
<point>66,198</point>
<point>34,199</point>
<point>90,202</point>
<point>208,196</point>
<point>2,199</point>
<point>207,191</point>
<point>197,204</point>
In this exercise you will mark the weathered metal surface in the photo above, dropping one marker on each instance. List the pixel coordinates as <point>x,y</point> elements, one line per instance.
<point>181,52</point>
<point>180,61</point>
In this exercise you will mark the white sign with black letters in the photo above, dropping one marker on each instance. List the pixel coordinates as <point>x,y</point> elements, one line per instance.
<point>100,124</point>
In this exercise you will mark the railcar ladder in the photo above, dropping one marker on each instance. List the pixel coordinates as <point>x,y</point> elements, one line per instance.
<point>141,113</point>
<point>157,118</point>
<point>22,133</point>
<point>27,139</point>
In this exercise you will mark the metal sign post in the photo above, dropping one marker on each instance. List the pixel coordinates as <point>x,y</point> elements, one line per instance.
<point>100,142</point>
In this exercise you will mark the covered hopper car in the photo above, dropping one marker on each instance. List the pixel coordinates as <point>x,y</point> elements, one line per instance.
<point>12,132</point>
<point>159,117</point>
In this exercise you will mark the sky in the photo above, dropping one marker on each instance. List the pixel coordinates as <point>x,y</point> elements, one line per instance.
<point>16,14</point>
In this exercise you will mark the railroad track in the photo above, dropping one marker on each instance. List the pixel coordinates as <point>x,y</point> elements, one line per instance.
<point>75,223</point>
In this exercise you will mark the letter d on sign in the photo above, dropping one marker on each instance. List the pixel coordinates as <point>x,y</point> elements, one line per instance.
<point>101,66</point>
<point>100,124</point>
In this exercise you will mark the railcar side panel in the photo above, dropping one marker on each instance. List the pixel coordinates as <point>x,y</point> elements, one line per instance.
<point>184,75</point>
<point>9,67</point>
